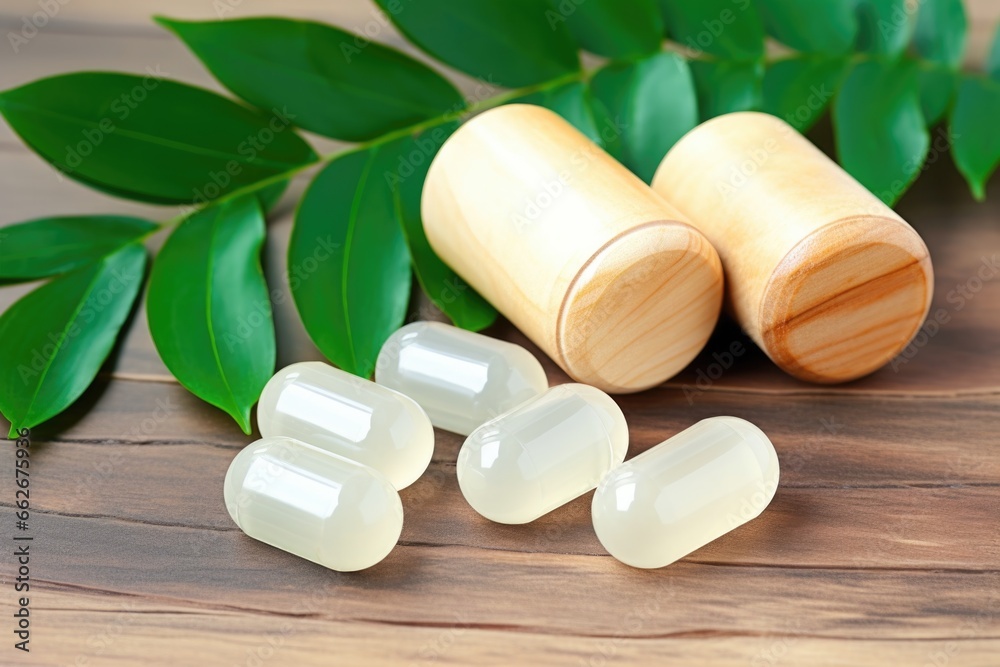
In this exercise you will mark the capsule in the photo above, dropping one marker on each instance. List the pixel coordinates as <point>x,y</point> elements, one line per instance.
<point>313,503</point>
<point>350,416</point>
<point>542,454</point>
<point>685,492</point>
<point>461,379</point>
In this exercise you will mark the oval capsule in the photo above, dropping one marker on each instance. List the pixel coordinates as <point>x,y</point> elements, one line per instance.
<point>347,415</point>
<point>460,378</point>
<point>542,454</point>
<point>685,492</point>
<point>313,503</point>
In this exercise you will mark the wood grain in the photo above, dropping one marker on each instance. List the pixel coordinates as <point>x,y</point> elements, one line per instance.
<point>114,631</point>
<point>574,249</point>
<point>881,546</point>
<point>830,282</point>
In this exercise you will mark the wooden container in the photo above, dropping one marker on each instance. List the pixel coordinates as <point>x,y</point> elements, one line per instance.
<point>591,264</point>
<point>827,279</point>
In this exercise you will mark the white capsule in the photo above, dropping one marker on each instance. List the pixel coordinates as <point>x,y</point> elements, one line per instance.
<point>542,454</point>
<point>460,378</point>
<point>347,415</point>
<point>685,492</point>
<point>315,504</point>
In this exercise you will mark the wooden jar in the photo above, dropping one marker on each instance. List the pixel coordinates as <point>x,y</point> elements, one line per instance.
<point>592,265</point>
<point>827,279</point>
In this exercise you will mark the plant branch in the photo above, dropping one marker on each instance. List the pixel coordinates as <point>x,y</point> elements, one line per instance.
<point>461,112</point>
<point>466,110</point>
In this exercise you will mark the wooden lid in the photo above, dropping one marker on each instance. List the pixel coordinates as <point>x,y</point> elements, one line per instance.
<point>846,299</point>
<point>641,308</point>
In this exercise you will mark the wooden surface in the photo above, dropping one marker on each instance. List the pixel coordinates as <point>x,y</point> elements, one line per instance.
<point>882,545</point>
<point>822,275</point>
<point>574,248</point>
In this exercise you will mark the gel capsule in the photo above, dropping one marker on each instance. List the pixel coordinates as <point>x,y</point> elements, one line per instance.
<point>542,454</point>
<point>350,416</point>
<point>685,492</point>
<point>462,379</point>
<point>315,504</point>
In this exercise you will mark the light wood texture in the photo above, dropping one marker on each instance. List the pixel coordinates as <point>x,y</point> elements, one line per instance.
<point>828,280</point>
<point>880,548</point>
<point>574,249</point>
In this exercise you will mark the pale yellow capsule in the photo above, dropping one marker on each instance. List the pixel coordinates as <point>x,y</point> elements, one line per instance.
<point>460,378</point>
<point>313,503</point>
<point>685,492</point>
<point>542,454</point>
<point>347,415</point>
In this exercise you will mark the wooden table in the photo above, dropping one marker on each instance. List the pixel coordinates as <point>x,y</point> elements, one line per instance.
<point>882,544</point>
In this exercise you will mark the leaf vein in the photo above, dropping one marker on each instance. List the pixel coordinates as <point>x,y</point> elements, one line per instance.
<point>210,322</point>
<point>352,222</point>
<point>62,337</point>
<point>157,141</point>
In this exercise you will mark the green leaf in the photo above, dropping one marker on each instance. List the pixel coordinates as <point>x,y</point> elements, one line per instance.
<point>993,60</point>
<point>813,27</point>
<point>54,340</point>
<point>941,32</point>
<point>455,298</point>
<point>573,102</point>
<point>885,26</point>
<point>726,86</point>
<point>149,138</point>
<point>882,139</point>
<point>512,43</point>
<point>730,29</point>
<point>349,268</point>
<point>938,86</point>
<point>49,246</point>
<point>799,89</point>
<point>975,140</point>
<point>332,82</point>
<point>611,28</point>
<point>653,101</point>
<point>209,310</point>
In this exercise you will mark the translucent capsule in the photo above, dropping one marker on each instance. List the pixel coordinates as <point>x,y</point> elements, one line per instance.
<point>350,416</point>
<point>315,504</point>
<point>685,492</point>
<point>462,379</point>
<point>542,454</point>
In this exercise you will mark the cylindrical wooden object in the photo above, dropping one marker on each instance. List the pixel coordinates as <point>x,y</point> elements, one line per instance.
<point>827,279</point>
<point>591,264</point>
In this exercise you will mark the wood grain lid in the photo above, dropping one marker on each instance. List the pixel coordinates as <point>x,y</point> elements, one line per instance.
<point>846,299</point>
<point>641,308</point>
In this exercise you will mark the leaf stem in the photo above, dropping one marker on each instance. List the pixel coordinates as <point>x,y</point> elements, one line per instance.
<point>465,110</point>
<point>457,113</point>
